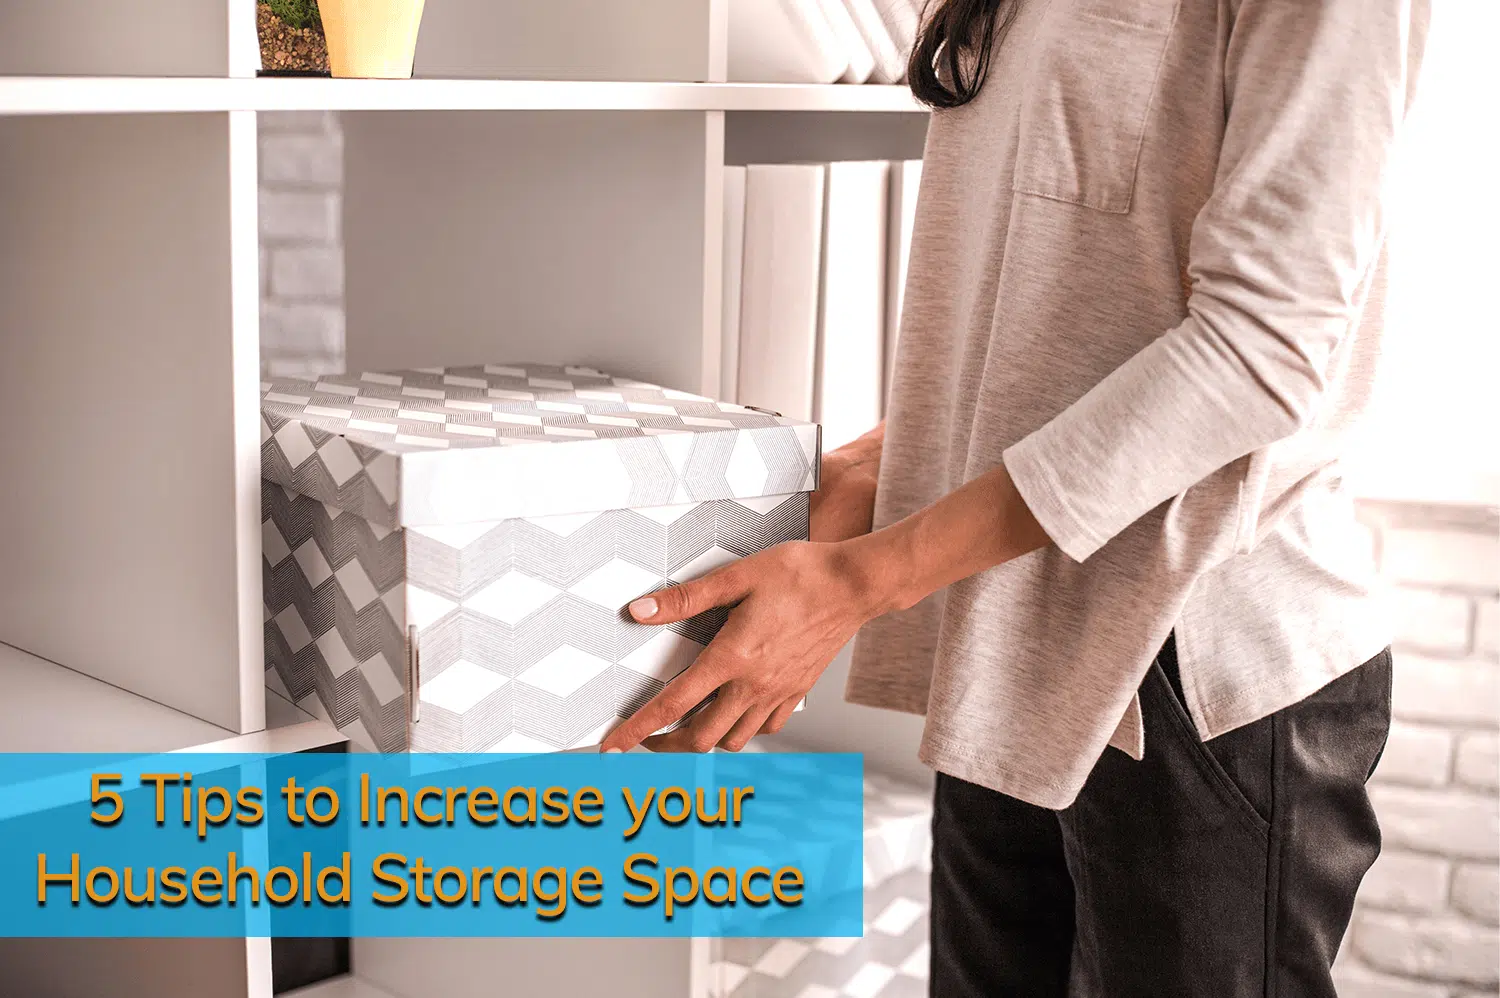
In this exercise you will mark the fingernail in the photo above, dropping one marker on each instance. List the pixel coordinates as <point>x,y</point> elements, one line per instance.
<point>643,608</point>
<point>611,751</point>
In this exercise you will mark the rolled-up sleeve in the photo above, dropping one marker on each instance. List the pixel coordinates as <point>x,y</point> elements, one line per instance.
<point>1316,91</point>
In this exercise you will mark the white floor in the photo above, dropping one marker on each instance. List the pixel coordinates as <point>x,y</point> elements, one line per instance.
<point>889,962</point>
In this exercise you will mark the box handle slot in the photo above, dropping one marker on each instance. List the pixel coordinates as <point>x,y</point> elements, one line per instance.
<point>413,677</point>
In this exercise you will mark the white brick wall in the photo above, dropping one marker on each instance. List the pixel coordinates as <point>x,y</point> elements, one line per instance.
<point>301,238</point>
<point>1425,924</point>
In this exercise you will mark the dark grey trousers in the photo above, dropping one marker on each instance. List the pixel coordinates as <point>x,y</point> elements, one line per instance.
<point>1220,869</point>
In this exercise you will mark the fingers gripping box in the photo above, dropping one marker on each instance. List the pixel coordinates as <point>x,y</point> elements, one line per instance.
<point>448,552</point>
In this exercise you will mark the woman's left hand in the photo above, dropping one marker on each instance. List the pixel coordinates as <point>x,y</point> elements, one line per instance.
<point>795,606</point>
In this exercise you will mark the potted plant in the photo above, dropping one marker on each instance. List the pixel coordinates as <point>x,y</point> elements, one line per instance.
<point>371,38</point>
<point>291,38</point>
<point>351,38</point>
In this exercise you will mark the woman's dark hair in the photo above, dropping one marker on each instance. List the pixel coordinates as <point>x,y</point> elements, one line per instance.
<point>951,57</point>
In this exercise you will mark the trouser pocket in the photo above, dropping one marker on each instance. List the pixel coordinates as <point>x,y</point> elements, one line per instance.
<point>1236,765</point>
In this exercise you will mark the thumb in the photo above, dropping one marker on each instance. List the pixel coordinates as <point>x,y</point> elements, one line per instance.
<point>667,606</point>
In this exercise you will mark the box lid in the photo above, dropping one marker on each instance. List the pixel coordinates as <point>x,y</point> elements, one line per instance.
<point>466,444</point>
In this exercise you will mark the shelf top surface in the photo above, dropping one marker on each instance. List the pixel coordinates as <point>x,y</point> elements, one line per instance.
<point>47,708</point>
<point>151,95</point>
<point>341,987</point>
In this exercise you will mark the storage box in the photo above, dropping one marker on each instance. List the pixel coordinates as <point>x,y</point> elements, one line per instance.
<point>448,552</point>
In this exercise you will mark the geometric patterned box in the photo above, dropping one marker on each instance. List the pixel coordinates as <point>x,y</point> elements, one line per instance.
<point>448,552</point>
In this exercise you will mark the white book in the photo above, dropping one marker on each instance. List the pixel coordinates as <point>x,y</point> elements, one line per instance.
<point>889,62</point>
<point>851,306</point>
<point>901,17</point>
<point>783,41</point>
<point>779,296</point>
<point>734,263</point>
<point>906,179</point>
<point>861,59</point>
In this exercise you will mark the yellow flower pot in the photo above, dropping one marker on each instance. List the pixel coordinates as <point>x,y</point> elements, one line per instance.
<point>371,39</point>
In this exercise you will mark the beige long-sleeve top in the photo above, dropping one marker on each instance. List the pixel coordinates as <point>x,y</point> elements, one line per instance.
<point>1146,275</point>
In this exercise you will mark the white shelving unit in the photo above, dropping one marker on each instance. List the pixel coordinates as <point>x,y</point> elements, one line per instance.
<point>550,188</point>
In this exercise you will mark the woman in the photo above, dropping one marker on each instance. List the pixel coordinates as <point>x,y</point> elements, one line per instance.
<point>1142,315</point>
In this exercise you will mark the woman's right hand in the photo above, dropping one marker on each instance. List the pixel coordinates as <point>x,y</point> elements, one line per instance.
<point>844,505</point>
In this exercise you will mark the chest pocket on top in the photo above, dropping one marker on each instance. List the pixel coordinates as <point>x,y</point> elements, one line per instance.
<point>1087,95</point>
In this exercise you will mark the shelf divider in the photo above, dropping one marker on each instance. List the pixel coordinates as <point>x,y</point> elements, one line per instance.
<point>127,527</point>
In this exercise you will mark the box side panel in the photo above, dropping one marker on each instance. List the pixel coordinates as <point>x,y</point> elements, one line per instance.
<point>329,468</point>
<point>335,616</point>
<point>463,597</point>
<point>525,645</point>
